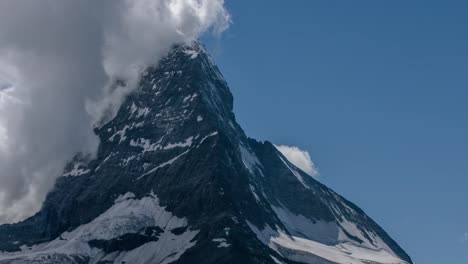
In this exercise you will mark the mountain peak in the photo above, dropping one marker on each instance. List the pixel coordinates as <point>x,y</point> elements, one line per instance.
<point>176,180</point>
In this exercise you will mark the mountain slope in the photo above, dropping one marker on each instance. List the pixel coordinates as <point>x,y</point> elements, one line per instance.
<point>176,180</point>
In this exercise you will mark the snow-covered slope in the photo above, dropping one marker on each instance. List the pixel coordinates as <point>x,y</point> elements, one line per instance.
<point>131,231</point>
<point>176,180</point>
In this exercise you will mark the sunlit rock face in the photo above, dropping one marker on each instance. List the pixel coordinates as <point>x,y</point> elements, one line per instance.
<point>176,180</point>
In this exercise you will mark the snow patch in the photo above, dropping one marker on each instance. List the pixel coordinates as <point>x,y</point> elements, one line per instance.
<point>222,242</point>
<point>276,260</point>
<point>120,133</point>
<point>104,161</point>
<point>145,144</point>
<point>133,109</point>
<point>189,98</point>
<point>143,112</point>
<point>192,53</point>
<point>249,159</point>
<point>76,171</point>
<point>301,226</point>
<point>305,250</point>
<point>252,189</point>
<point>295,173</point>
<point>124,197</point>
<point>127,215</point>
<point>140,112</point>
<point>125,162</point>
<point>186,143</point>
<point>162,165</point>
<point>206,137</point>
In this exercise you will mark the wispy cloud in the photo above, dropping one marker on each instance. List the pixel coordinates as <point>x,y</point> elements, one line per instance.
<point>300,158</point>
<point>464,238</point>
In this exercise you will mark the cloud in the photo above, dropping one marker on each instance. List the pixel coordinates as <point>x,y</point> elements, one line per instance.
<point>464,238</point>
<point>300,158</point>
<point>60,59</point>
<point>4,86</point>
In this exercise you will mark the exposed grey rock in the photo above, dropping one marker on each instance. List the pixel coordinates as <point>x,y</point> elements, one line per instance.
<point>177,180</point>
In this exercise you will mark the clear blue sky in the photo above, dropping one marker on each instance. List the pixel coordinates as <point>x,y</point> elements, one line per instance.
<point>377,91</point>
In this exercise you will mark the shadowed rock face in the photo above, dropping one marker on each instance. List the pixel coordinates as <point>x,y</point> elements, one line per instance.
<point>176,180</point>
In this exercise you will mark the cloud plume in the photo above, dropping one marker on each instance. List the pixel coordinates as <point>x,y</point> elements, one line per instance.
<point>300,158</point>
<point>58,61</point>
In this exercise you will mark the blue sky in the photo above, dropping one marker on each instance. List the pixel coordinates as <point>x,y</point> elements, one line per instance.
<point>377,92</point>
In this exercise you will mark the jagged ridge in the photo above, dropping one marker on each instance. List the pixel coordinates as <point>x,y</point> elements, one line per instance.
<point>177,180</point>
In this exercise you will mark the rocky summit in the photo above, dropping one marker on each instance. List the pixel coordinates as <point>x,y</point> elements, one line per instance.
<point>176,180</point>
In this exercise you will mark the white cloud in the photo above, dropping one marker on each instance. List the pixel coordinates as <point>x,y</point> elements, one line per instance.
<point>62,57</point>
<point>300,158</point>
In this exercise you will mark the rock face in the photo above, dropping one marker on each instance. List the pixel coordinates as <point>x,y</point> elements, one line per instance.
<point>176,180</point>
